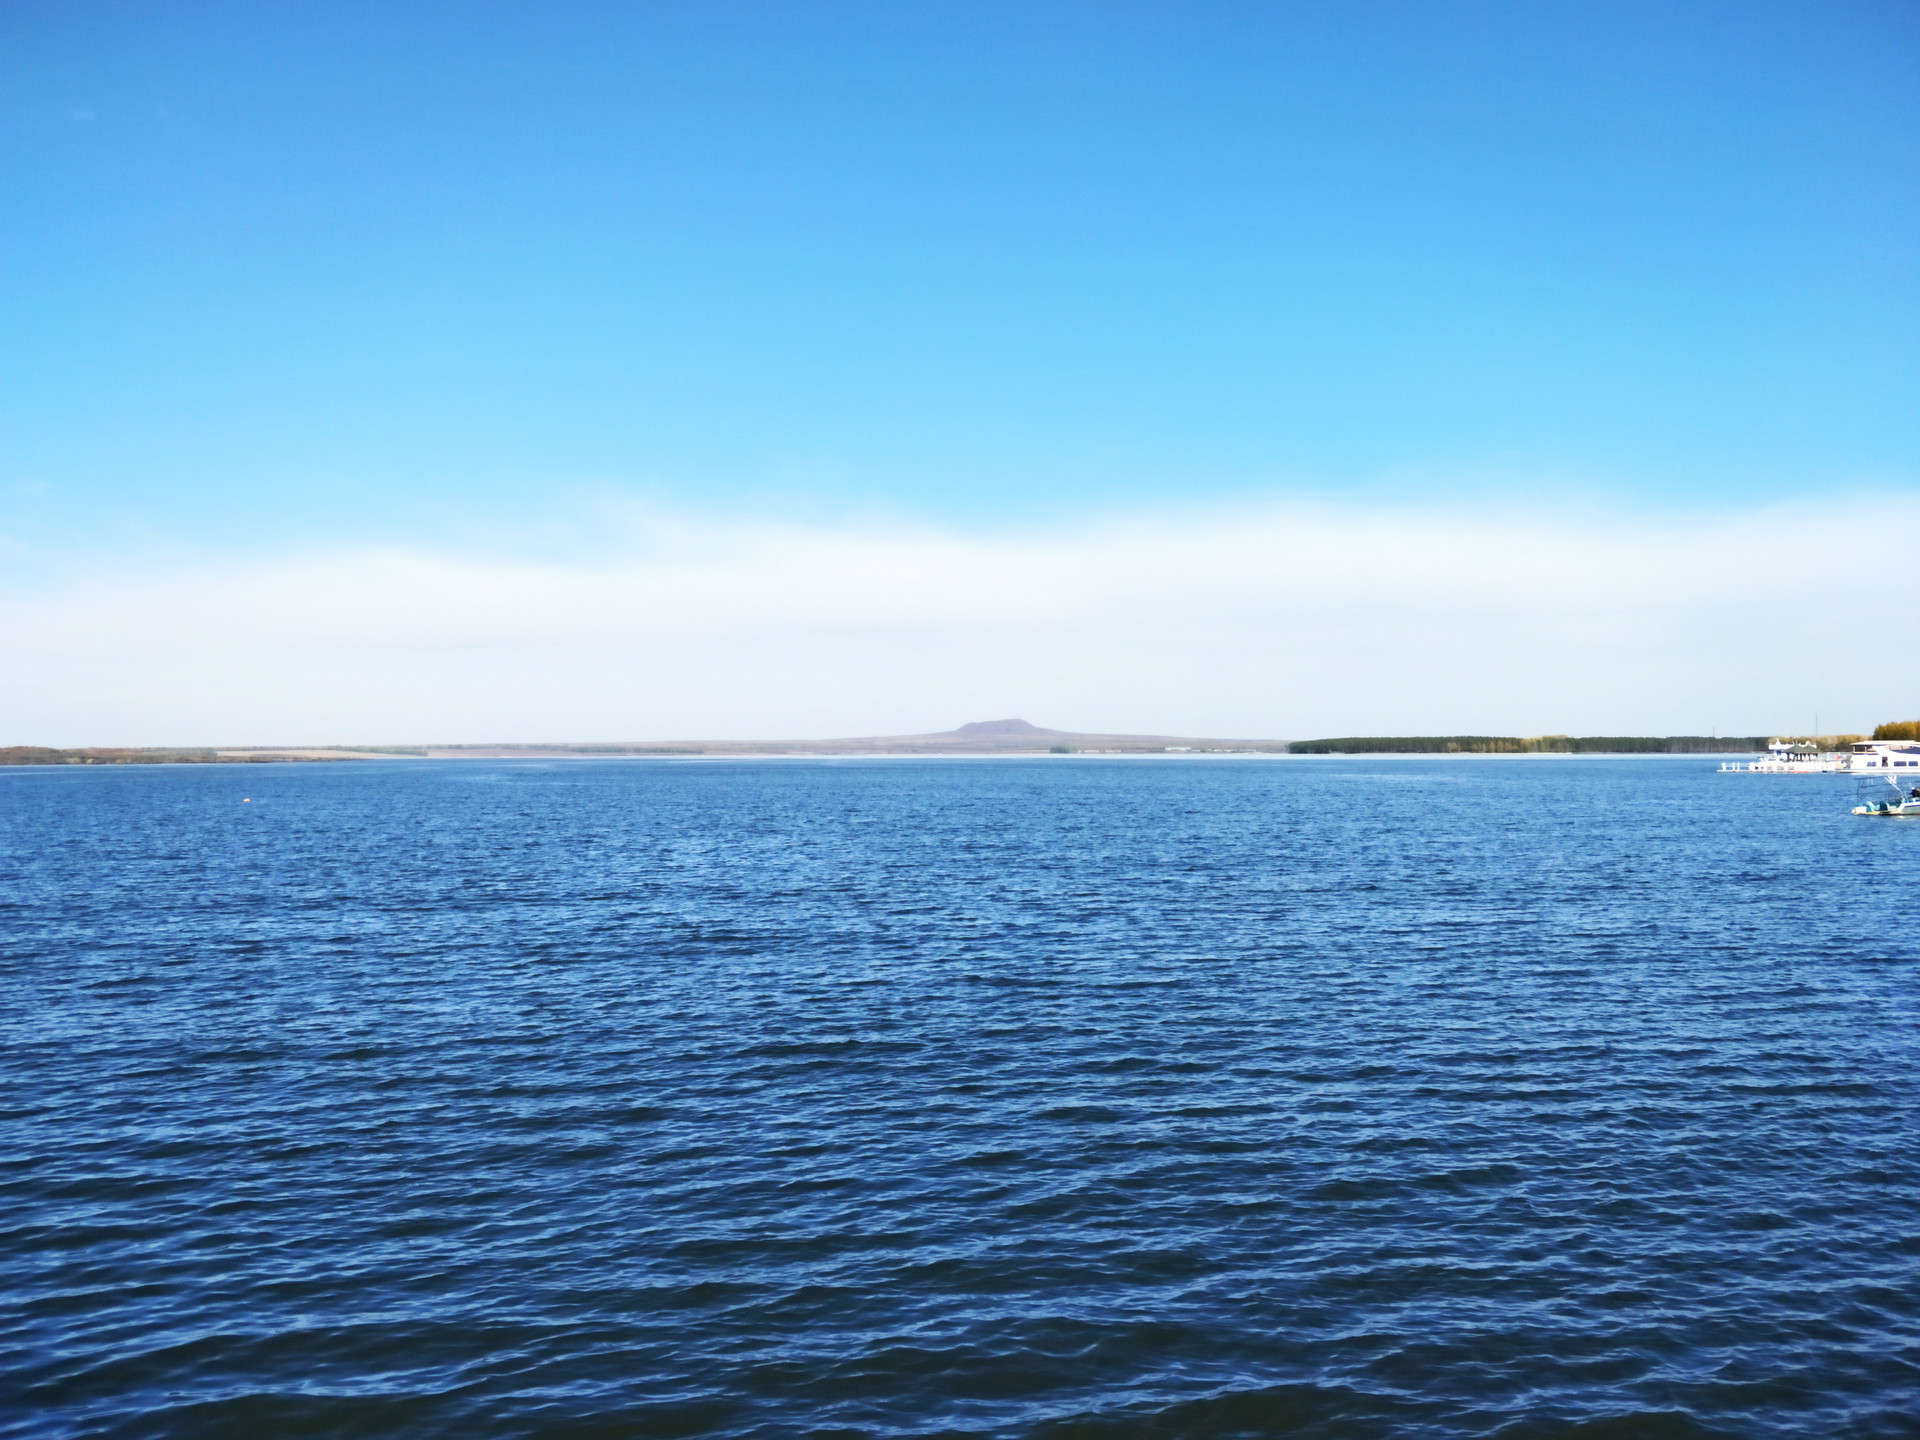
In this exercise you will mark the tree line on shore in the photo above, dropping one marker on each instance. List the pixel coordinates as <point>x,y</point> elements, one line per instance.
<point>1582,744</point>
<point>1530,744</point>
<point>44,755</point>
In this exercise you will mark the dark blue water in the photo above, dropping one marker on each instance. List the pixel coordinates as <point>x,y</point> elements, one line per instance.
<point>1052,1098</point>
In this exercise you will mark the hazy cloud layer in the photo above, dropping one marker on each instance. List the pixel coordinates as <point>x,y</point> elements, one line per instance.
<point>1282,621</point>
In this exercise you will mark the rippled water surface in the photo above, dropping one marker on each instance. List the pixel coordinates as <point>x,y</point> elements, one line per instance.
<point>1056,1097</point>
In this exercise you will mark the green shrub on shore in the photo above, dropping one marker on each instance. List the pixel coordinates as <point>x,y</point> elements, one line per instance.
<point>1898,730</point>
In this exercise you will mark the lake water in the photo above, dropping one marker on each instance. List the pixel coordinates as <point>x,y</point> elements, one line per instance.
<point>1054,1097</point>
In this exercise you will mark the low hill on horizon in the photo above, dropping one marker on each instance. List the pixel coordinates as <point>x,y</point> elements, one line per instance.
<point>976,737</point>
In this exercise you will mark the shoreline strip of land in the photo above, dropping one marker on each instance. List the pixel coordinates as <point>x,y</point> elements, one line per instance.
<point>989,737</point>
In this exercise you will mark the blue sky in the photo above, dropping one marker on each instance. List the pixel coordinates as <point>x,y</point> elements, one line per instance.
<point>282,276</point>
<point>969,260</point>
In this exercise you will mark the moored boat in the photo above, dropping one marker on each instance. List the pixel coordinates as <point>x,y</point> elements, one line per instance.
<point>1788,757</point>
<point>1888,757</point>
<point>1887,797</point>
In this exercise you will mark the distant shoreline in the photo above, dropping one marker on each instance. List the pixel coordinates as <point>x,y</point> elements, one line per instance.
<point>1005,738</point>
<point>1535,745</point>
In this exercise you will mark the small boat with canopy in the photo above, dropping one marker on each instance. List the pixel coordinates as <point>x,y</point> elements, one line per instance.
<point>1885,796</point>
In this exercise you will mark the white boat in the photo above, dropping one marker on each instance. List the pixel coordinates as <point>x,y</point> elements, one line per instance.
<point>1886,797</point>
<point>1889,757</point>
<point>1788,757</point>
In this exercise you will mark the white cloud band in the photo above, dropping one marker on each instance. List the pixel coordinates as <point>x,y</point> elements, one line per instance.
<point>1275,621</point>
